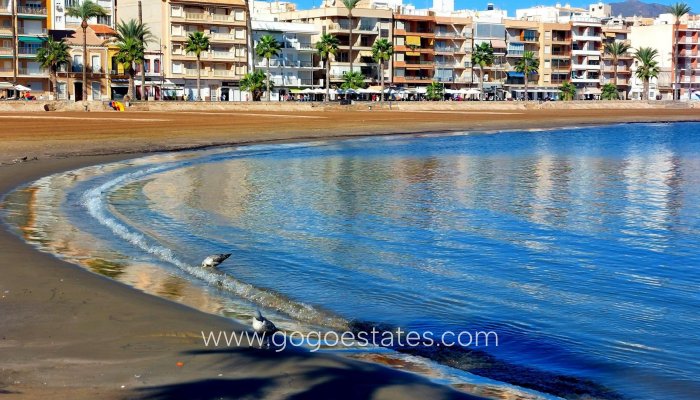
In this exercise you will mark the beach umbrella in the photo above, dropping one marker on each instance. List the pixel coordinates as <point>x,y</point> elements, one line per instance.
<point>6,85</point>
<point>22,88</point>
<point>473,92</point>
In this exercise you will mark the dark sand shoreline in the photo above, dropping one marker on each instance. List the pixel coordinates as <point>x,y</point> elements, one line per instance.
<point>67,333</point>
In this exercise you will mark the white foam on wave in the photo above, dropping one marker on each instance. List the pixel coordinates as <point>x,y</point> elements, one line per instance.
<point>93,200</point>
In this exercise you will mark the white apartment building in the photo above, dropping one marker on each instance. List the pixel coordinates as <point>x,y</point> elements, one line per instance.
<point>660,37</point>
<point>293,70</point>
<point>585,53</point>
<point>61,21</point>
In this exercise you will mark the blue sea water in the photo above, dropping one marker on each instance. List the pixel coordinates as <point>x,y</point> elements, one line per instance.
<point>580,247</point>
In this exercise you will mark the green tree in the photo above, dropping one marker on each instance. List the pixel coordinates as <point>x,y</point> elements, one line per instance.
<point>678,10</point>
<point>381,53</point>
<point>254,82</point>
<point>84,11</point>
<point>350,5</point>
<point>130,51</point>
<point>140,33</point>
<point>51,57</point>
<point>197,42</point>
<point>435,91</point>
<point>527,65</point>
<point>609,92</point>
<point>568,91</point>
<point>267,48</point>
<point>647,67</point>
<point>353,80</point>
<point>327,47</point>
<point>483,57</point>
<point>616,49</point>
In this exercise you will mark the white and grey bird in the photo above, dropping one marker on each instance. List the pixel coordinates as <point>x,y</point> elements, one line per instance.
<point>264,328</point>
<point>214,260</point>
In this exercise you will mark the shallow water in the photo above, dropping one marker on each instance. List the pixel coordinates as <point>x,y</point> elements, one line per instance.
<point>579,247</point>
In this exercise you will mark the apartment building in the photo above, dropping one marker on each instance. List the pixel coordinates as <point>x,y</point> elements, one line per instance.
<point>619,74</point>
<point>660,37</point>
<point>370,23</point>
<point>414,52</point>
<point>27,20</point>
<point>585,54</point>
<point>294,68</point>
<point>453,48</point>
<point>688,47</point>
<point>494,75</point>
<point>171,21</point>
<point>61,21</point>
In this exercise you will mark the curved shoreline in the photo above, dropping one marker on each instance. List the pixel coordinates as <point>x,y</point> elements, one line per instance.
<point>119,341</point>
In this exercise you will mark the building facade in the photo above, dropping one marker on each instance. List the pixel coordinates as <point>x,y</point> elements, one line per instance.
<point>171,21</point>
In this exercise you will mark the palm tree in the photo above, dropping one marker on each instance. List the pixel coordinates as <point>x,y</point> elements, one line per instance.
<point>267,48</point>
<point>677,10</point>
<point>51,57</point>
<point>435,91</point>
<point>609,92</point>
<point>141,33</point>
<point>568,91</point>
<point>482,56</point>
<point>196,43</point>
<point>130,51</point>
<point>327,47</point>
<point>616,49</point>
<point>647,67</point>
<point>254,82</point>
<point>527,65</point>
<point>350,5</point>
<point>353,80</point>
<point>85,10</point>
<point>381,53</point>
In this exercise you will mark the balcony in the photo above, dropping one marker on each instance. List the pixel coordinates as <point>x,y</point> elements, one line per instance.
<point>302,46</point>
<point>28,51</point>
<point>31,32</point>
<point>576,66</point>
<point>288,64</point>
<point>586,38</point>
<point>344,26</point>
<point>32,72</point>
<point>584,20</point>
<point>179,53</point>
<point>226,55</point>
<point>446,49</point>
<point>223,73</point>
<point>6,51</point>
<point>34,11</point>
<point>226,37</point>
<point>585,52</point>
<point>5,31</point>
<point>621,69</point>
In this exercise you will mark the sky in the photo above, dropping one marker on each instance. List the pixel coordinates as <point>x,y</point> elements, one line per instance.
<point>509,5</point>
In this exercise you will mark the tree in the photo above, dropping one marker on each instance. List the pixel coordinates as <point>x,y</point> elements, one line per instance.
<point>327,47</point>
<point>254,82</point>
<point>527,65</point>
<point>130,51</point>
<point>381,53</point>
<point>353,80</point>
<point>140,33</point>
<point>483,57</point>
<point>435,91</point>
<point>84,11</point>
<point>568,91</point>
<point>350,5</point>
<point>51,57</point>
<point>616,49</point>
<point>678,10</point>
<point>197,42</point>
<point>267,48</point>
<point>609,92</point>
<point>647,67</point>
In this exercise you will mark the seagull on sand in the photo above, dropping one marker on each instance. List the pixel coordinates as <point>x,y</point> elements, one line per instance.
<point>214,260</point>
<point>263,327</point>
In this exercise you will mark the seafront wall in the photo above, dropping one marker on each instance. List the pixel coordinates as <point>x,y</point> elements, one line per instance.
<point>43,106</point>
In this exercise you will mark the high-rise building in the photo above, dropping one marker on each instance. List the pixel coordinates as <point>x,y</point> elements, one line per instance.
<point>688,48</point>
<point>618,73</point>
<point>453,47</point>
<point>414,52</point>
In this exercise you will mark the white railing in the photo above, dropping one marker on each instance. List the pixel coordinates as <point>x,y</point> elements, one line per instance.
<point>195,16</point>
<point>31,31</point>
<point>223,72</point>
<point>224,36</point>
<point>586,37</point>
<point>32,72</point>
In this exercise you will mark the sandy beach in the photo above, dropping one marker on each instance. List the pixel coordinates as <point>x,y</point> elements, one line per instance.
<point>69,334</point>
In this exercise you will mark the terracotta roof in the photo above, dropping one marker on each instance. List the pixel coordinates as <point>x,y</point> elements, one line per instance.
<point>102,29</point>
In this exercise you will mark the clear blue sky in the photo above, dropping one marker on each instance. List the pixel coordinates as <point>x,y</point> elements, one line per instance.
<point>509,5</point>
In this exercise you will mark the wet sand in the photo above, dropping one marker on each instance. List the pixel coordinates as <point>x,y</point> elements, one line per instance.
<point>66,333</point>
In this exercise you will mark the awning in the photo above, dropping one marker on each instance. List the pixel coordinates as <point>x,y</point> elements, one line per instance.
<point>512,74</point>
<point>498,44</point>
<point>365,53</point>
<point>412,53</point>
<point>590,90</point>
<point>295,91</point>
<point>32,39</point>
<point>6,85</point>
<point>412,40</point>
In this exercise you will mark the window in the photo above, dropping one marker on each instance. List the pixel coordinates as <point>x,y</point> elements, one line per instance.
<point>400,41</point>
<point>96,64</point>
<point>176,30</point>
<point>240,33</point>
<point>548,63</point>
<point>176,11</point>
<point>61,89</point>
<point>548,35</point>
<point>239,15</point>
<point>96,91</point>
<point>177,68</point>
<point>400,25</point>
<point>147,65</point>
<point>156,66</point>
<point>399,56</point>
<point>77,63</point>
<point>547,49</point>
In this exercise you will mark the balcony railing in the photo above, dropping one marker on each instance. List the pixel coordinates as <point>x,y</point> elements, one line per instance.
<point>22,30</point>
<point>6,51</point>
<point>225,36</point>
<point>29,51</point>
<point>223,72</point>
<point>32,72</point>
<point>289,64</point>
<point>31,10</point>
